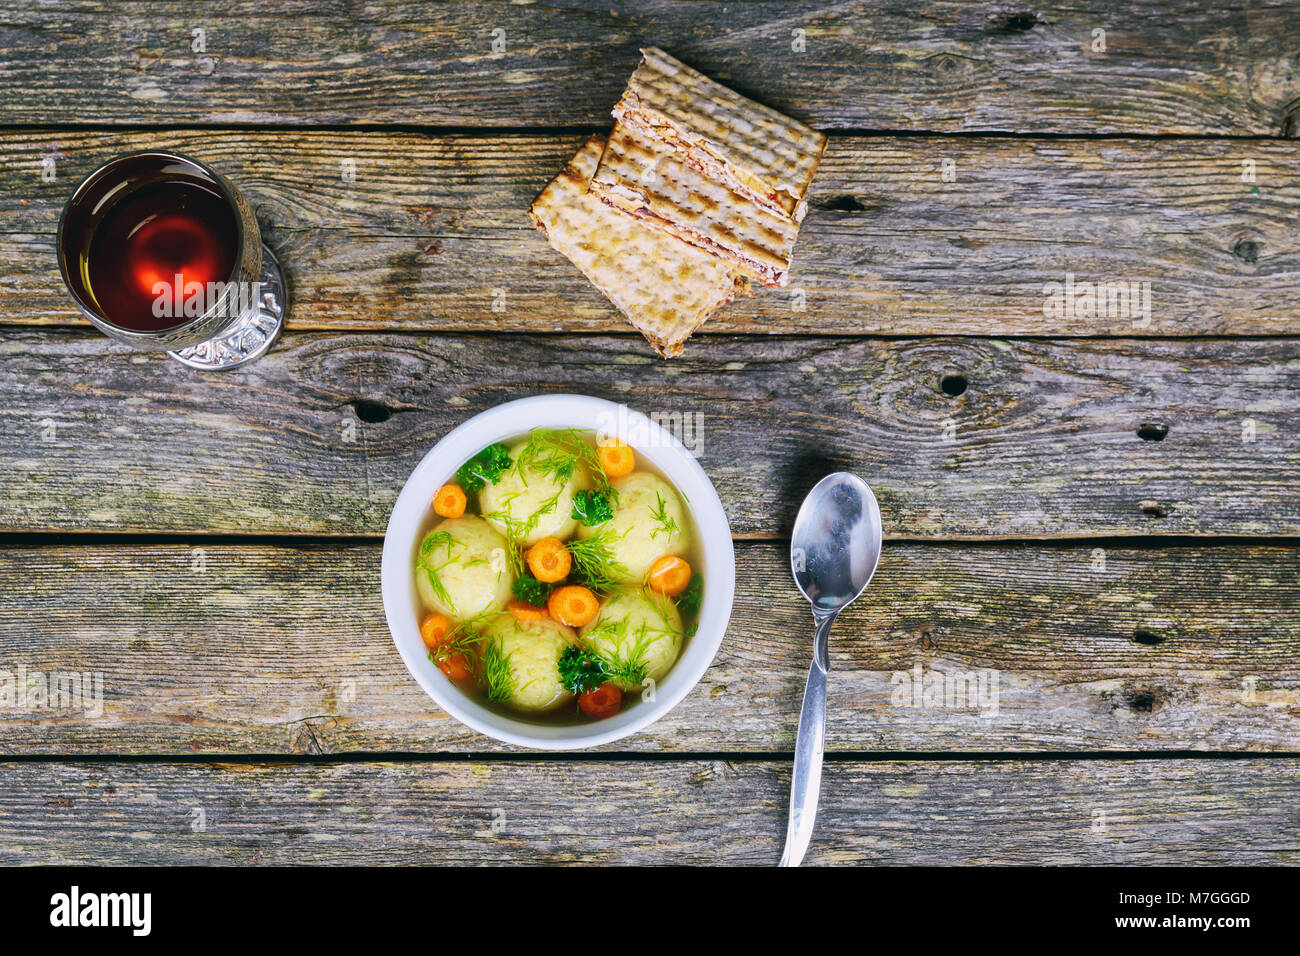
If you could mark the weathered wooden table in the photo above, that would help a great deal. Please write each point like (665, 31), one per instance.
(1099, 506)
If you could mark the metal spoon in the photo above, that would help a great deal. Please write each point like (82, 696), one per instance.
(833, 553)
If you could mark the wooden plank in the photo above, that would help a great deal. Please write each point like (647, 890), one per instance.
(1181, 67)
(1177, 812)
(433, 233)
(1046, 440)
(254, 649)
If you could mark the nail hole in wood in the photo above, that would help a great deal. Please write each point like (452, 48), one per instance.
(953, 385)
(1153, 431)
(1148, 638)
(1154, 509)
(370, 412)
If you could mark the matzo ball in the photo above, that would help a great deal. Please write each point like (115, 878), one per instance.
(528, 497)
(649, 521)
(462, 569)
(521, 662)
(639, 632)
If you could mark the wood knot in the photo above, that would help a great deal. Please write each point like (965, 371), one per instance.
(1149, 638)
(370, 412)
(1017, 21)
(953, 385)
(1247, 250)
(1137, 700)
(1142, 700)
(841, 202)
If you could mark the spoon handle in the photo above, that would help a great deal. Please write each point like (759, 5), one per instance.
(806, 780)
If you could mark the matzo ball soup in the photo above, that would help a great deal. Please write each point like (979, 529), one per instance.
(558, 576)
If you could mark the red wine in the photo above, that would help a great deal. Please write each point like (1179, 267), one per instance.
(138, 252)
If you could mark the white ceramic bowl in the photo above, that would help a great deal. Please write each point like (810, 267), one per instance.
(411, 517)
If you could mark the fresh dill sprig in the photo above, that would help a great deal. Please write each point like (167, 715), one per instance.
(594, 562)
(499, 681)
(515, 531)
(425, 562)
(432, 540)
(620, 664)
(626, 663)
(545, 508)
(558, 453)
(664, 522)
(626, 658)
(465, 639)
(662, 605)
(608, 630)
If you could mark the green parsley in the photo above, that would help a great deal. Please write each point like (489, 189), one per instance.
(581, 671)
(486, 467)
(592, 507)
(530, 590)
(689, 601)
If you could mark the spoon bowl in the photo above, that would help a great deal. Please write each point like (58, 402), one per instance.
(833, 554)
(836, 542)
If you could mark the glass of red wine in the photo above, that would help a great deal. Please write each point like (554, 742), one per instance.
(163, 254)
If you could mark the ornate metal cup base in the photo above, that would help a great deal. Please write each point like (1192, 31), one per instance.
(252, 335)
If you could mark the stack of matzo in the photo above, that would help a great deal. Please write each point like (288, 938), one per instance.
(695, 191)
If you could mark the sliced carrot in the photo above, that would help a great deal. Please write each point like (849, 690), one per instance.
(549, 560)
(669, 575)
(433, 629)
(449, 502)
(616, 458)
(525, 612)
(573, 605)
(453, 665)
(605, 701)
